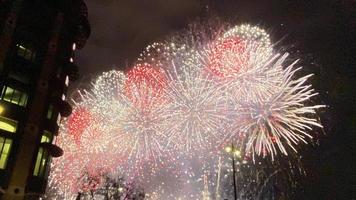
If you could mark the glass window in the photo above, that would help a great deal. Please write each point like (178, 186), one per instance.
(25, 52)
(50, 112)
(14, 96)
(41, 162)
(42, 155)
(46, 137)
(7, 93)
(22, 78)
(5, 148)
(8, 125)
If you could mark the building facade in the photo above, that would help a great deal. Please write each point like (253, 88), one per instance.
(38, 39)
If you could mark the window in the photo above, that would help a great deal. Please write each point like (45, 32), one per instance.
(47, 137)
(22, 78)
(42, 155)
(14, 96)
(25, 52)
(8, 125)
(5, 147)
(41, 162)
(50, 112)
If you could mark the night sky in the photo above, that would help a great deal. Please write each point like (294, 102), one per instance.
(322, 33)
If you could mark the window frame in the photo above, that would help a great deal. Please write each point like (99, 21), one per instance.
(41, 162)
(4, 156)
(43, 156)
(10, 122)
(25, 51)
(47, 137)
(50, 112)
(14, 96)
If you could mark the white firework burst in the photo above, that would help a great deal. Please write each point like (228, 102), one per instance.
(279, 117)
(144, 136)
(197, 109)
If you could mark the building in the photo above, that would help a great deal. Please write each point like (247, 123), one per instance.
(38, 39)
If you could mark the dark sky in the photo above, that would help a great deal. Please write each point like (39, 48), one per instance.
(121, 29)
(321, 32)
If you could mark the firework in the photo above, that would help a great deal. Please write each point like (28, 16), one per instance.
(144, 86)
(241, 58)
(269, 106)
(97, 113)
(78, 122)
(144, 125)
(181, 102)
(197, 110)
(280, 118)
(241, 50)
(88, 136)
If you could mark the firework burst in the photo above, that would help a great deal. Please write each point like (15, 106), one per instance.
(181, 102)
(144, 125)
(240, 50)
(280, 118)
(197, 110)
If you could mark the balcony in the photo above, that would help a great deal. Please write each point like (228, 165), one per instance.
(36, 185)
(64, 108)
(72, 71)
(53, 150)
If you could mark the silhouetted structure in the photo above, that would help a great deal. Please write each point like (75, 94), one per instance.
(37, 43)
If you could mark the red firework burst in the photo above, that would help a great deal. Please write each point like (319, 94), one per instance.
(78, 122)
(145, 85)
(227, 56)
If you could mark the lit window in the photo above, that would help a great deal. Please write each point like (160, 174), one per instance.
(42, 155)
(67, 81)
(50, 112)
(46, 137)
(41, 162)
(71, 60)
(8, 125)
(5, 147)
(25, 52)
(14, 96)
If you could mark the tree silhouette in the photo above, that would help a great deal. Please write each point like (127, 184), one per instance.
(107, 187)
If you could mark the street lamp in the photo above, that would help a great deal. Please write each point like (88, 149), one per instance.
(233, 152)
